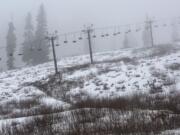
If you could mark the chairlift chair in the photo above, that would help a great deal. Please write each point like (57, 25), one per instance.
(39, 49)
(11, 54)
(118, 33)
(107, 35)
(102, 35)
(74, 41)
(65, 41)
(80, 38)
(94, 36)
(20, 54)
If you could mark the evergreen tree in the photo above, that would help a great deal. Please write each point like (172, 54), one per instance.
(28, 40)
(11, 45)
(41, 47)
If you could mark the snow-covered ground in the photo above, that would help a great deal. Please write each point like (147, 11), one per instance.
(114, 74)
(123, 72)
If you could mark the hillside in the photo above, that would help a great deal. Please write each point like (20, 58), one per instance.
(114, 82)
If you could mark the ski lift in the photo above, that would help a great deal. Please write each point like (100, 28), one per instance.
(20, 54)
(94, 36)
(65, 41)
(102, 35)
(156, 26)
(128, 31)
(115, 33)
(74, 41)
(107, 34)
(80, 37)
(119, 33)
(11, 54)
(0, 58)
(57, 43)
(39, 49)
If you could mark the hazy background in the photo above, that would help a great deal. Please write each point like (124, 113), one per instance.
(71, 15)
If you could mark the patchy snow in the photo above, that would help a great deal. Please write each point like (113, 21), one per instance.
(171, 132)
(118, 73)
(121, 78)
(134, 77)
(114, 74)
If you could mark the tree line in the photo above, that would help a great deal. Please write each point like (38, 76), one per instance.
(34, 47)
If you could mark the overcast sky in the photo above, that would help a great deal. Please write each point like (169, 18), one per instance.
(70, 15)
(67, 15)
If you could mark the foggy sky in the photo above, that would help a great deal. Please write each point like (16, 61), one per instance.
(69, 15)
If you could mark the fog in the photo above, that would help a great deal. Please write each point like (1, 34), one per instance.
(71, 15)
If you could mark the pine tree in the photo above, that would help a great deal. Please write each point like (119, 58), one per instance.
(28, 40)
(11, 45)
(41, 47)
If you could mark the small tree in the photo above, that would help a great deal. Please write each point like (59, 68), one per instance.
(11, 45)
(28, 40)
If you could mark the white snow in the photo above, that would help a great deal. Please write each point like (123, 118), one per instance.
(124, 76)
